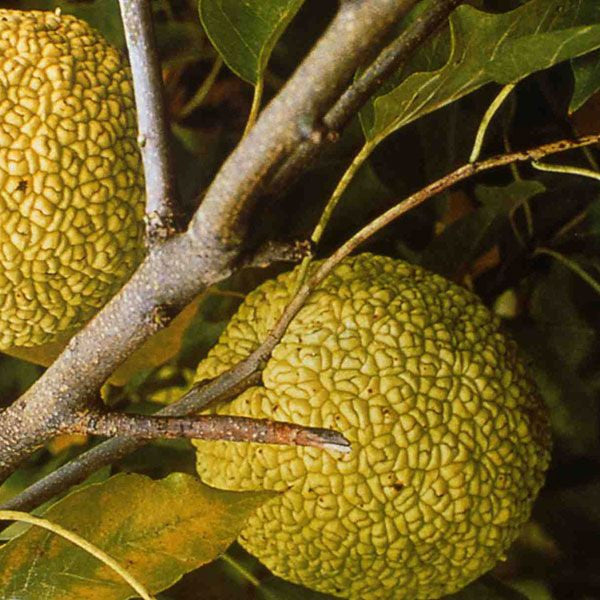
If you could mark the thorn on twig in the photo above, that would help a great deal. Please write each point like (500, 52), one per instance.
(323, 438)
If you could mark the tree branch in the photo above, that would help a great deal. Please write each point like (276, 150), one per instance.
(229, 385)
(152, 122)
(185, 264)
(208, 427)
(352, 100)
(245, 373)
(294, 115)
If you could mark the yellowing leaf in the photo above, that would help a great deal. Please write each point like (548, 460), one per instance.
(157, 530)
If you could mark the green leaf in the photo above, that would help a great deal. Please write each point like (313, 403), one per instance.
(485, 48)
(244, 32)
(158, 530)
(466, 239)
(586, 71)
(487, 588)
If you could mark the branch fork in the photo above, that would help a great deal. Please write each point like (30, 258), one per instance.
(179, 266)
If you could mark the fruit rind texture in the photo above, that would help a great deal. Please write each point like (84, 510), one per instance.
(71, 180)
(450, 440)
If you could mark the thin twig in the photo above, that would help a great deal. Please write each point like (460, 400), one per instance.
(572, 265)
(487, 118)
(185, 264)
(232, 382)
(441, 185)
(255, 107)
(437, 187)
(208, 427)
(566, 170)
(351, 101)
(199, 96)
(152, 124)
(333, 201)
(571, 224)
(340, 188)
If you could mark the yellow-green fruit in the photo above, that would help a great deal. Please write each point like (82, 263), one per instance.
(71, 182)
(450, 441)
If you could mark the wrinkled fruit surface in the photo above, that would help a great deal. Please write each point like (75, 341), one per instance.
(71, 183)
(449, 440)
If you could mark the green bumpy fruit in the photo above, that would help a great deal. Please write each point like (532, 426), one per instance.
(450, 440)
(71, 181)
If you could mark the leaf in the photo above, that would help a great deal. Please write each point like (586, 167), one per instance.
(244, 32)
(586, 71)
(158, 530)
(464, 240)
(485, 48)
(487, 588)
(17, 485)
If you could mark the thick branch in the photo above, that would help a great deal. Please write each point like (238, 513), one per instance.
(357, 94)
(152, 123)
(387, 63)
(295, 114)
(169, 278)
(181, 267)
(244, 373)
